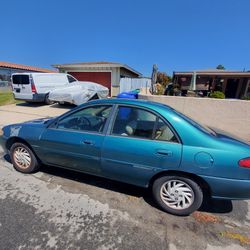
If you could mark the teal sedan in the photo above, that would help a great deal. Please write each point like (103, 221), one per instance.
(141, 143)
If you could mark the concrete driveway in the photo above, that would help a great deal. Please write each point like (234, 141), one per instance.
(61, 209)
(15, 113)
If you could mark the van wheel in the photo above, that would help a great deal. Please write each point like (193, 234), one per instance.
(177, 195)
(23, 159)
(47, 100)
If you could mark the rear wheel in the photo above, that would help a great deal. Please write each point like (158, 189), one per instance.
(23, 159)
(177, 195)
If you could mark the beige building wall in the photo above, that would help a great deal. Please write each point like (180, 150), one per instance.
(232, 116)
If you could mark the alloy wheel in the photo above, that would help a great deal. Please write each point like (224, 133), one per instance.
(177, 194)
(22, 157)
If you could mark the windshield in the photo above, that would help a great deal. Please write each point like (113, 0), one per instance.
(199, 126)
(71, 79)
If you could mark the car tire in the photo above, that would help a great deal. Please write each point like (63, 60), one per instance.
(177, 195)
(23, 159)
(47, 100)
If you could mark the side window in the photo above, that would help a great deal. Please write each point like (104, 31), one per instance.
(134, 122)
(71, 79)
(163, 132)
(88, 119)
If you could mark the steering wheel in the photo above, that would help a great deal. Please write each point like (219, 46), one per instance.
(82, 121)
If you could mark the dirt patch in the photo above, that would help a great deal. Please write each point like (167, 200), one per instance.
(205, 217)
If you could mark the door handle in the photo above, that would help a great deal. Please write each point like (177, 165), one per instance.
(88, 142)
(164, 152)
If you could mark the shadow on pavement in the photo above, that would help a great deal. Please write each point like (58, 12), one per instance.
(40, 104)
(209, 205)
(216, 206)
(7, 158)
(63, 106)
(30, 104)
(95, 181)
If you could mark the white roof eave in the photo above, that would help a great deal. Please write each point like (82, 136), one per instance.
(100, 66)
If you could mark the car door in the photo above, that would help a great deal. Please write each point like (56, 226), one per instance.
(21, 84)
(138, 145)
(75, 141)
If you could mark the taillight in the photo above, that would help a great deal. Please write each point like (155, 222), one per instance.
(33, 87)
(245, 163)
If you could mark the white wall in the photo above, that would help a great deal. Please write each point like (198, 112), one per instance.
(232, 116)
(128, 84)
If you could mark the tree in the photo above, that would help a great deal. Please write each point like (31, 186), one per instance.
(220, 66)
(163, 78)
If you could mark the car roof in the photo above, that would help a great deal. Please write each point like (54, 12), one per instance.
(140, 102)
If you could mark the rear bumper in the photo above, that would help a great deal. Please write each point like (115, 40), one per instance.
(232, 189)
(30, 97)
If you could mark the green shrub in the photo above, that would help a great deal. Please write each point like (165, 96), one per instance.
(246, 98)
(217, 94)
(159, 89)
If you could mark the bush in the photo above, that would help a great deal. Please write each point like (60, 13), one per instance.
(159, 89)
(246, 98)
(217, 94)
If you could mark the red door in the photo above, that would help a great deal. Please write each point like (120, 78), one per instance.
(103, 78)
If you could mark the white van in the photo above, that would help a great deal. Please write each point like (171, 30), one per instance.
(35, 87)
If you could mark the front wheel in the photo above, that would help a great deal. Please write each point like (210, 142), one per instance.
(23, 159)
(177, 195)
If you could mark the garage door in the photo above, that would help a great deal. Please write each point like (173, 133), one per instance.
(103, 78)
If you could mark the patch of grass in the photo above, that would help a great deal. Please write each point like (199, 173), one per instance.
(6, 97)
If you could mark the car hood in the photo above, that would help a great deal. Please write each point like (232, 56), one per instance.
(45, 120)
(27, 129)
(79, 93)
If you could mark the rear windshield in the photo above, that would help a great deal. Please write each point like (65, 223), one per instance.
(196, 124)
(20, 79)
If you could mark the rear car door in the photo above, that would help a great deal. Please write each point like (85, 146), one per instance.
(75, 141)
(139, 144)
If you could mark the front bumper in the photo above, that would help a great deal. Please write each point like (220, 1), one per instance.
(232, 189)
(3, 144)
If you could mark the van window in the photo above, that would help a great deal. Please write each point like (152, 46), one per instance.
(71, 79)
(20, 79)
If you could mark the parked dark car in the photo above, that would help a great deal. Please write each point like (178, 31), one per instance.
(138, 142)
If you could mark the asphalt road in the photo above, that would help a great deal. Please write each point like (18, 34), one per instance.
(62, 209)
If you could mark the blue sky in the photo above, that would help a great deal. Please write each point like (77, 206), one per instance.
(176, 35)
